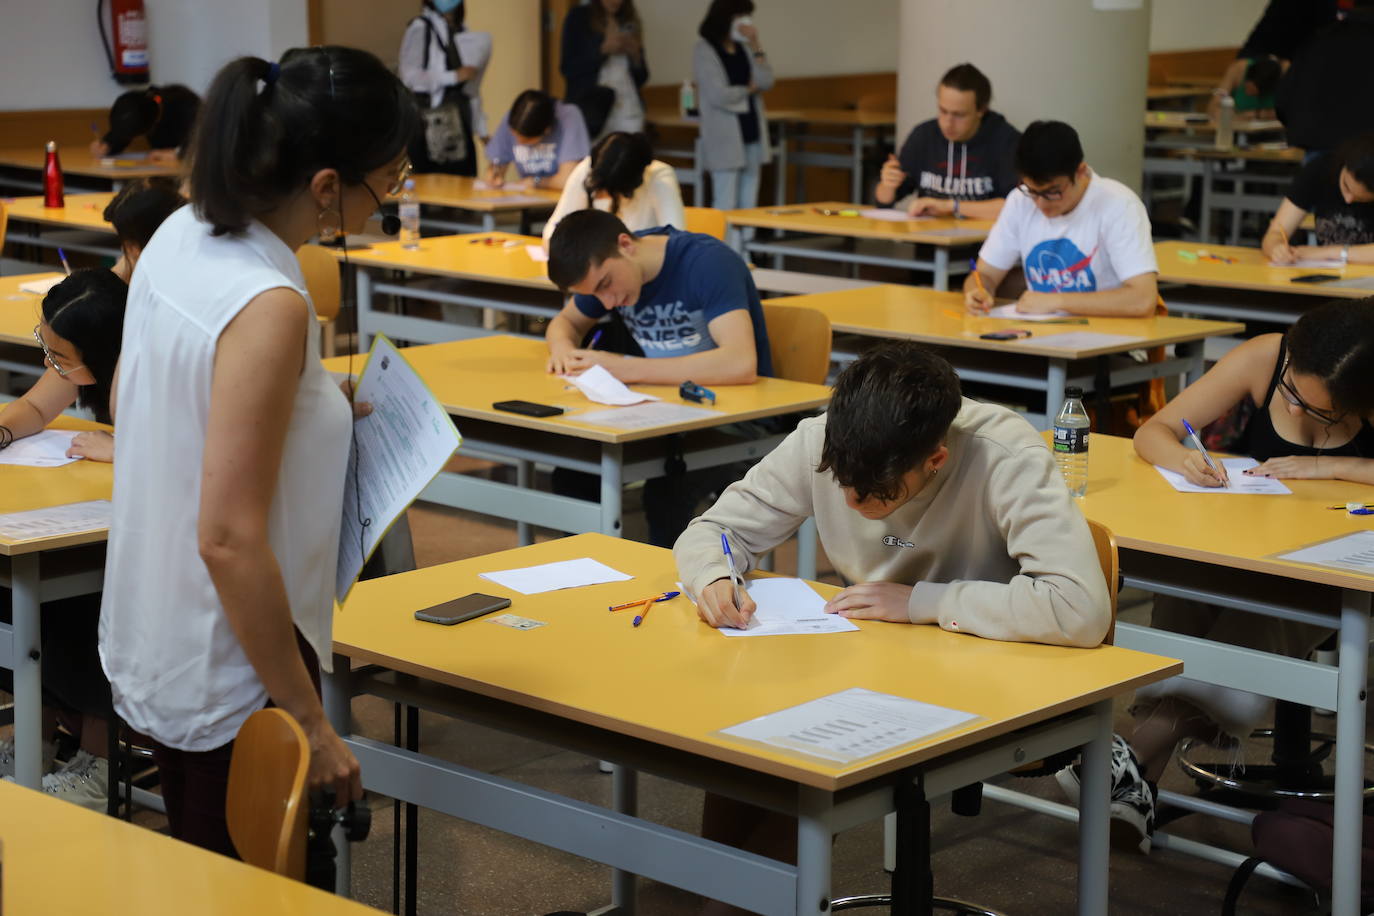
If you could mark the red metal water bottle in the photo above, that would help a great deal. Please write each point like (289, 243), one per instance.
(52, 178)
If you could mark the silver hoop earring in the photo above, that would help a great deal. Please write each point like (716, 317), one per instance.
(328, 225)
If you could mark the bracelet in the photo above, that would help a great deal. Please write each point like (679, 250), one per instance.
(6, 437)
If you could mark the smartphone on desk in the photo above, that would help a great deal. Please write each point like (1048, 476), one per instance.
(468, 607)
(528, 408)
(1010, 334)
(1315, 278)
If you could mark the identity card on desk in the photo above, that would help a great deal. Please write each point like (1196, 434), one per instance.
(1237, 482)
(788, 607)
(397, 450)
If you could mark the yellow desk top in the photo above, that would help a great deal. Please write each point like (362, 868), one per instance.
(931, 316)
(458, 192)
(806, 218)
(82, 211)
(130, 869)
(1183, 120)
(22, 489)
(1263, 153)
(79, 161)
(841, 117)
(676, 682)
(1160, 93)
(468, 375)
(1145, 513)
(20, 311)
(1251, 271)
(466, 257)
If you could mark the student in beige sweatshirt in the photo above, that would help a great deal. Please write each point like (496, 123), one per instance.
(935, 508)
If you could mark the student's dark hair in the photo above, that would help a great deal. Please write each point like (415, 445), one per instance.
(618, 163)
(890, 411)
(1335, 343)
(968, 78)
(1264, 73)
(458, 14)
(532, 114)
(626, 15)
(715, 28)
(1048, 150)
(264, 129)
(87, 309)
(1357, 155)
(133, 114)
(140, 207)
(582, 240)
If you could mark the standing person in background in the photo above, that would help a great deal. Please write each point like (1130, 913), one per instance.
(603, 62)
(163, 114)
(1323, 99)
(543, 138)
(443, 64)
(731, 69)
(622, 177)
(233, 441)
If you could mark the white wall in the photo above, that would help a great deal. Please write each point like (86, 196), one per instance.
(53, 56)
(1184, 25)
(802, 37)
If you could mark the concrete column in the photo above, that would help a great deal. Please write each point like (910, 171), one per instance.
(1059, 60)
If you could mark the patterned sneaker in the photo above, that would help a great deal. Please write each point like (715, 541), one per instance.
(84, 780)
(1132, 799)
(7, 757)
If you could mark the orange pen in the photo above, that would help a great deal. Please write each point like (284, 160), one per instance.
(640, 618)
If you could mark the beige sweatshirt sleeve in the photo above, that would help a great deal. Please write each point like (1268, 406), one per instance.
(1059, 597)
(757, 514)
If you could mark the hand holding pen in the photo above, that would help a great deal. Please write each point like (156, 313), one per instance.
(723, 603)
(1199, 467)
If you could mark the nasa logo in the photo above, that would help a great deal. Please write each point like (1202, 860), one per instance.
(894, 541)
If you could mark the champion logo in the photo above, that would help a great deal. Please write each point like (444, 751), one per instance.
(894, 541)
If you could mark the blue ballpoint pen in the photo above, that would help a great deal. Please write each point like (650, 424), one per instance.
(65, 266)
(591, 345)
(1197, 444)
(734, 573)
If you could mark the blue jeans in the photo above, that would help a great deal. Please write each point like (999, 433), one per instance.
(738, 189)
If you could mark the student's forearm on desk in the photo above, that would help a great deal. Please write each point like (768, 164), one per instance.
(711, 367)
(21, 418)
(1355, 470)
(1129, 301)
(981, 209)
(39, 406)
(562, 334)
(1157, 443)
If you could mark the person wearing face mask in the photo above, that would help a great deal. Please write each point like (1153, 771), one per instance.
(731, 70)
(443, 64)
(603, 62)
(960, 163)
(1338, 190)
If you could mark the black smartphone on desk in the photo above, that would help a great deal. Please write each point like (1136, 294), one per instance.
(1315, 278)
(468, 607)
(528, 408)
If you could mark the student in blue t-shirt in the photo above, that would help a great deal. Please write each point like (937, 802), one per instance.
(545, 140)
(692, 312)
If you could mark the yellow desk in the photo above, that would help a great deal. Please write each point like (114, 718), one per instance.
(83, 212)
(1175, 93)
(459, 193)
(129, 869)
(499, 276)
(78, 161)
(1221, 549)
(44, 569)
(1197, 121)
(655, 698)
(932, 239)
(19, 312)
(938, 318)
(467, 376)
(1248, 289)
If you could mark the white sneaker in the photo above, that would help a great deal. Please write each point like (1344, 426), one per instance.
(7, 758)
(1132, 798)
(84, 780)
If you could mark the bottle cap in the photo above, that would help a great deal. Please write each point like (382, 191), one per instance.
(52, 146)
(1073, 391)
(410, 184)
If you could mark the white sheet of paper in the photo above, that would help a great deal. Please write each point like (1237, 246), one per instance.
(890, 216)
(40, 287)
(46, 449)
(399, 448)
(787, 607)
(1011, 311)
(850, 725)
(537, 254)
(72, 518)
(1313, 263)
(1353, 283)
(549, 577)
(598, 385)
(1239, 483)
(1079, 340)
(642, 416)
(1348, 553)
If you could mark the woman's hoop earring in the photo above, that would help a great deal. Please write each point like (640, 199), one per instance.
(328, 224)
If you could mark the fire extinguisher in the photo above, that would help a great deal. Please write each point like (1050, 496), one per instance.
(129, 54)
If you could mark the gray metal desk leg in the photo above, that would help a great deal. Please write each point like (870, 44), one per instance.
(806, 549)
(780, 179)
(698, 174)
(1194, 353)
(363, 279)
(337, 690)
(524, 472)
(397, 547)
(856, 174)
(814, 839)
(28, 671)
(1056, 375)
(1350, 728)
(625, 798)
(489, 221)
(1205, 216)
(612, 466)
(942, 268)
(1094, 804)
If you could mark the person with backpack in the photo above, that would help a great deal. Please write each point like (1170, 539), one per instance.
(603, 62)
(443, 64)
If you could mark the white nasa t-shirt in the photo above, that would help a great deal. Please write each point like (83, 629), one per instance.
(1098, 245)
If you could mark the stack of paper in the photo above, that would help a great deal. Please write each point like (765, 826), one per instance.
(600, 386)
(890, 216)
(787, 607)
(549, 577)
(51, 522)
(46, 449)
(1237, 482)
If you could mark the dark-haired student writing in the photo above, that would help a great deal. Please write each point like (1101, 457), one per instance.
(543, 138)
(1083, 239)
(1338, 190)
(162, 114)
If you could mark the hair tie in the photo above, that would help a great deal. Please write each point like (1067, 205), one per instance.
(273, 71)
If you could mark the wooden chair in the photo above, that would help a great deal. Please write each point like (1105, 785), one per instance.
(322, 282)
(1105, 542)
(4, 224)
(706, 220)
(799, 342)
(267, 806)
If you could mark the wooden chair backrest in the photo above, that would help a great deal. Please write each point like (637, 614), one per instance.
(267, 807)
(706, 220)
(1105, 543)
(799, 343)
(4, 224)
(321, 280)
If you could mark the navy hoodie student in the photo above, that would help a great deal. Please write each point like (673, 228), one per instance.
(981, 169)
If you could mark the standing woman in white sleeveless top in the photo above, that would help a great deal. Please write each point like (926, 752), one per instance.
(233, 440)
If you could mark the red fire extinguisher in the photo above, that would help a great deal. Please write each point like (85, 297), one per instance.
(129, 54)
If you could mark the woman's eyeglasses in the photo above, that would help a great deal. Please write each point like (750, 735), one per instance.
(48, 357)
(1290, 394)
(398, 183)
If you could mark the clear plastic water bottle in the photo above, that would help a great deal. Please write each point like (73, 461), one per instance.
(1226, 118)
(1071, 441)
(687, 99)
(409, 211)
